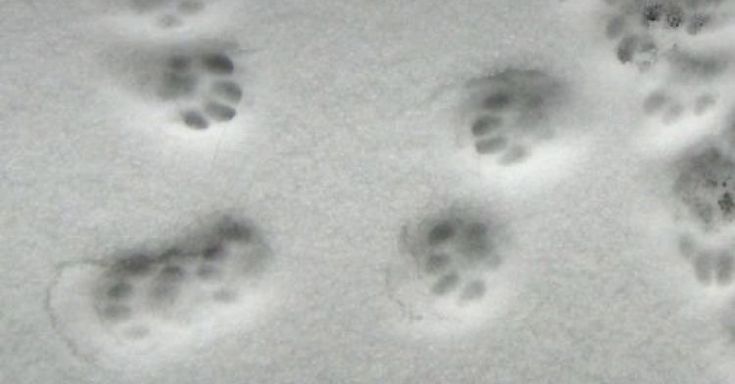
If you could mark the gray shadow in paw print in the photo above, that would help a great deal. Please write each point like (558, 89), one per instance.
(440, 233)
(697, 23)
(705, 187)
(138, 264)
(218, 64)
(219, 112)
(156, 282)
(227, 90)
(209, 272)
(453, 249)
(450, 253)
(491, 146)
(691, 67)
(120, 291)
(507, 112)
(615, 27)
(115, 312)
(474, 290)
(704, 103)
(665, 14)
(637, 49)
(446, 284)
(437, 262)
(712, 268)
(201, 81)
(194, 119)
(178, 80)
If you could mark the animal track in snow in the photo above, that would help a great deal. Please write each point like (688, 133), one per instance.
(714, 268)
(155, 301)
(450, 274)
(712, 265)
(705, 188)
(647, 30)
(669, 108)
(505, 114)
(683, 75)
(198, 85)
(204, 87)
(686, 86)
(456, 251)
(705, 194)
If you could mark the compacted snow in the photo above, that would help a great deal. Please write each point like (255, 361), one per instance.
(241, 191)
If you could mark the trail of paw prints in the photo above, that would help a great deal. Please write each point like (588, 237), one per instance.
(682, 76)
(202, 86)
(704, 216)
(453, 279)
(149, 305)
(506, 114)
(660, 38)
(168, 14)
(646, 30)
(704, 189)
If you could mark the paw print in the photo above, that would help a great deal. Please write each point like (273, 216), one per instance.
(647, 30)
(705, 193)
(704, 103)
(659, 103)
(168, 14)
(698, 23)
(691, 87)
(712, 265)
(506, 112)
(689, 67)
(452, 272)
(705, 15)
(714, 268)
(202, 86)
(638, 49)
(631, 29)
(152, 300)
(666, 14)
(180, 284)
(670, 109)
(454, 256)
(705, 189)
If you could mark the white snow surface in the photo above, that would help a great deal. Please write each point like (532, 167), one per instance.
(350, 143)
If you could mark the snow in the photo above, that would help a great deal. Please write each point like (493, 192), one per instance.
(350, 143)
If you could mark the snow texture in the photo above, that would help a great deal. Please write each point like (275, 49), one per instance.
(506, 191)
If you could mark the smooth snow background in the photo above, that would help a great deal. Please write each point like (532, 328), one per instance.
(352, 135)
